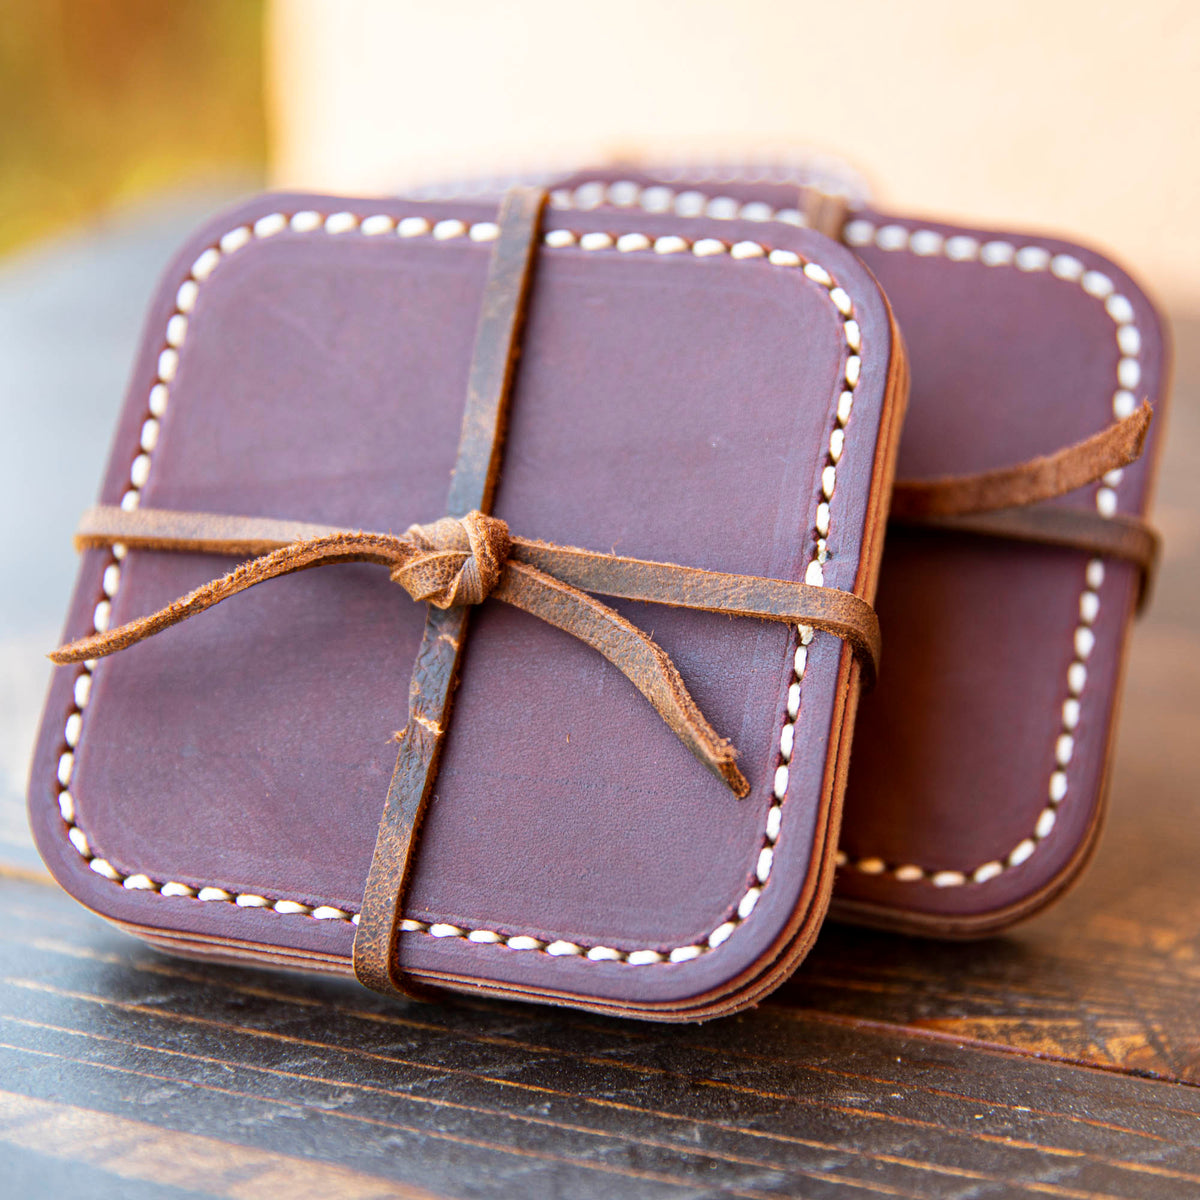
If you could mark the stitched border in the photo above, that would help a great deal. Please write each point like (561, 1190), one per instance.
(829, 174)
(683, 202)
(1031, 259)
(959, 248)
(347, 223)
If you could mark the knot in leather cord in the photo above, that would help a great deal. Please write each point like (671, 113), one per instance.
(455, 562)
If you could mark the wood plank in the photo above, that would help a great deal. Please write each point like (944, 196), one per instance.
(136, 1150)
(486, 1099)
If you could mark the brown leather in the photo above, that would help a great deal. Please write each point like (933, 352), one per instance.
(669, 407)
(1000, 502)
(824, 213)
(1005, 652)
(458, 562)
(843, 614)
(427, 562)
(454, 563)
(1128, 538)
(830, 610)
(376, 951)
(1045, 477)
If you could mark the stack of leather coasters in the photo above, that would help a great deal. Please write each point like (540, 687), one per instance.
(598, 493)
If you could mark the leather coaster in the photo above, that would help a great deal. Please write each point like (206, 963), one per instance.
(979, 772)
(687, 392)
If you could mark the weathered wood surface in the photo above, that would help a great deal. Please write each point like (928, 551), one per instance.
(1110, 975)
(1056, 1061)
(140, 1067)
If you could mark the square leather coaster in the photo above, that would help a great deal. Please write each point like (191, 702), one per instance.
(691, 392)
(979, 774)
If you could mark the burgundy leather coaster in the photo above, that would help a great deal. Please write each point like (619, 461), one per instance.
(698, 393)
(978, 778)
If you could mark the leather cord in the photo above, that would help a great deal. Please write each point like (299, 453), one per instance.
(999, 503)
(454, 563)
(1041, 478)
(1006, 502)
(377, 959)
(1120, 536)
(824, 212)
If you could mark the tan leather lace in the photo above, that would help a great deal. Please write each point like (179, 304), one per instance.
(1007, 502)
(1041, 478)
(455, 563)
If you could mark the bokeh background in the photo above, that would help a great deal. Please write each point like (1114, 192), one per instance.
(1077, 115)
(1063, 114)
(106, 102)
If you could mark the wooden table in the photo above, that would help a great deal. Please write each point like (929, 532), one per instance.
(1062, 1060)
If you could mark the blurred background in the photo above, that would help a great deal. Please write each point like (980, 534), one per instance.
(1064, 114)
(105, 103)
(125, 122)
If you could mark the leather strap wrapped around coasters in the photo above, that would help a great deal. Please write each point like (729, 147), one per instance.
(376, 943)
(454, 563)
(1002, 502)
(457, 562)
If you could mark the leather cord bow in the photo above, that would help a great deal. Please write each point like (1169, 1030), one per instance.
(454, 563)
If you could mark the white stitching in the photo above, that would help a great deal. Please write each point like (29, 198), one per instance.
(1029, 259)
(958, 248)
(341, 224)
(658, 198)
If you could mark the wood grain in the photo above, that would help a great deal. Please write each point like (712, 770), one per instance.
(489, 1099)
(137, 1150)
